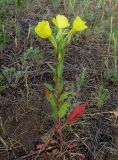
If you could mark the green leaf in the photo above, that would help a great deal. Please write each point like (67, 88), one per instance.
(49, 86)
(115, 31)
(66, 94)
(18, 3)
(53, 71)
(34, 54)
(63, 109)
(52, 68)
(52, 101)
(1, 88)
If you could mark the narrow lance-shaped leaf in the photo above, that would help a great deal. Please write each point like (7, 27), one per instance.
(63, 109)
(52, 101)
(65, 95)
(53, 71)
(52, 68)
(76, 113)
(49, 86)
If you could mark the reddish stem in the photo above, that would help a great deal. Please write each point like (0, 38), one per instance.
(60, 136)
(60, 132)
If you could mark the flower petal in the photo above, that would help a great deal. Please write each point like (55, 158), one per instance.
(43, 29)
(79, 24)
(60, 21)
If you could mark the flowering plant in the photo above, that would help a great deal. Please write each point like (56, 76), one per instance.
(55, 94)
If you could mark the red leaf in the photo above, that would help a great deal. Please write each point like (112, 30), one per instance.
(76, 113)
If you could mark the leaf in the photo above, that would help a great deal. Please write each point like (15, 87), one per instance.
(66, 94)
(34, 54)
(1, 88)
(18, 3)
(53, 71)
(49, 86)
(76, 113)
(52, 101)
(63, 109)
(52, 68)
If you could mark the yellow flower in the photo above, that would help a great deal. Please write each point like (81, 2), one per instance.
(43, 29)
(60, 21)
(79, 24)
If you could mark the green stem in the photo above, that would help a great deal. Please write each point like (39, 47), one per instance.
(58, 82)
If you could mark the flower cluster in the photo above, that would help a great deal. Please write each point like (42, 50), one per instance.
(43, 28)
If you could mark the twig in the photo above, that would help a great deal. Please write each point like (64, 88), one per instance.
(92, 114)
(33, 153)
